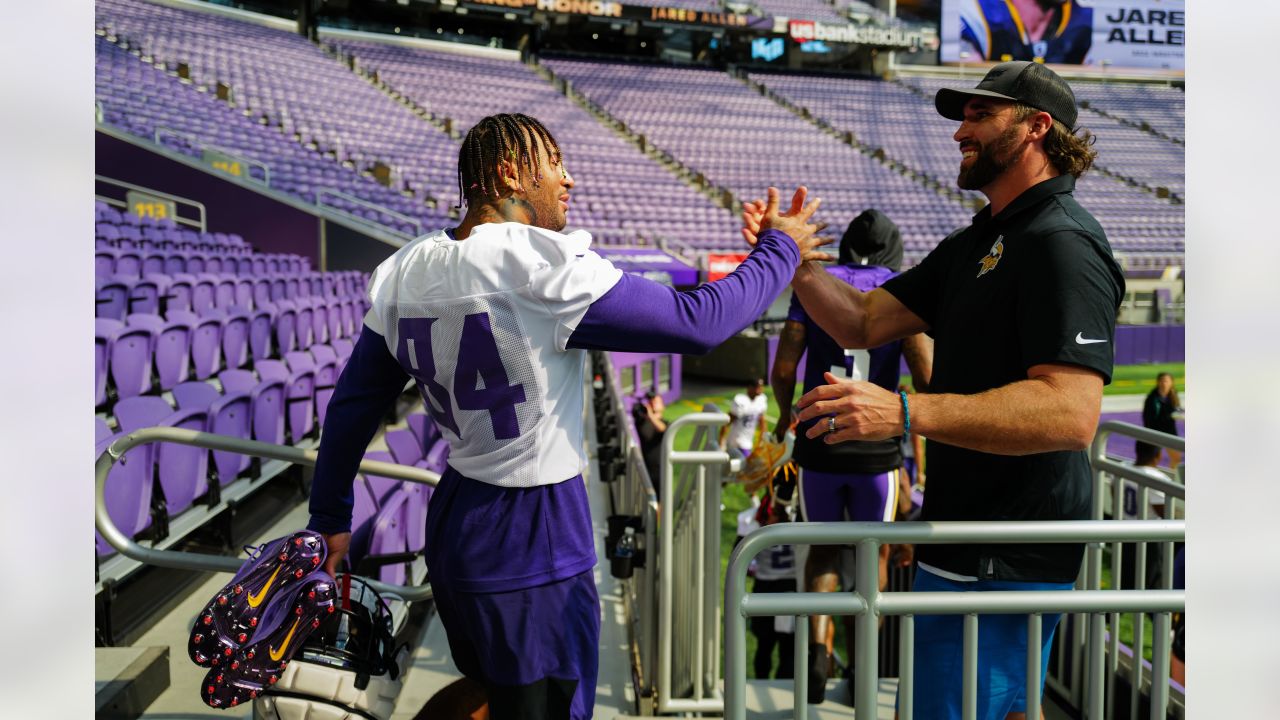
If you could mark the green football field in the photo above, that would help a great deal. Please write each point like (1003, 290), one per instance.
(1126, 380)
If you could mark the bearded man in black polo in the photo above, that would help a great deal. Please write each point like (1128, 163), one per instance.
(1022, 307)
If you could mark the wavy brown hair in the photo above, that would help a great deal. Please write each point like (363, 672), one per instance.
(1070, 153)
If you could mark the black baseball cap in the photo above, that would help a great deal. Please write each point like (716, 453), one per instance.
(1029, 83)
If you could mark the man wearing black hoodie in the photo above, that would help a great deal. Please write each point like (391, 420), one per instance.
(853, 480)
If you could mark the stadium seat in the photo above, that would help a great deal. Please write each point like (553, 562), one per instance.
(300, 396)
(266, 401)
(104, 263)
(128, 487)
(180, 291)
(206, 342)
(437, 457)
(260, 332)
(423, 428)
(324, 379)
(130, 361)
(112, 300)
(103, 333)
(404, 447)
(145, 296)
(229, 414)
(171, 354)
(283, 326)
(182, 469)
(235, 338)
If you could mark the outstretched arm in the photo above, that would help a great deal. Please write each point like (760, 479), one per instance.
(783, 378)
(639, 315)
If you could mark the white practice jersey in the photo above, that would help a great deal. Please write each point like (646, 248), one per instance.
(482, 324)
(1154, 497)
(747, 414)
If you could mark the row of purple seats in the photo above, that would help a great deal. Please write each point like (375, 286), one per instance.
(149, 237)
(132, 262)
(427, 450)
(120, 295)
(150, 351)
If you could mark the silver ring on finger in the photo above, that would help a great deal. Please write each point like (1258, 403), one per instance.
(831, 424)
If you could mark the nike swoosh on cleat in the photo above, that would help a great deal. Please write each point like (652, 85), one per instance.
(255, 599)
(1082, 340)
(277, 654)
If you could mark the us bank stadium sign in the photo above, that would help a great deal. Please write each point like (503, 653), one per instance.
(803, 31)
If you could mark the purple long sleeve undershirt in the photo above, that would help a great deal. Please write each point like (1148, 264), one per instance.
(636, 315)
(639, 315)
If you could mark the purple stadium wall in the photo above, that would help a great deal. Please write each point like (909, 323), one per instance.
(624, 362)
(269, 226)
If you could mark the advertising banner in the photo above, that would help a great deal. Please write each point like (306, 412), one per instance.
(1116, 33)
(899, 38)
(651, 263)
(721, 264)
(608, 9)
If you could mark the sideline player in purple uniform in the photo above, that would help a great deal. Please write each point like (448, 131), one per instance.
(856, 480)
(493, 320)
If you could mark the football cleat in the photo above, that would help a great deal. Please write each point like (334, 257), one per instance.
(281, 634)
(272, 571)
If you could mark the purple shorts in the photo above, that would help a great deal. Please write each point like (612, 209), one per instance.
(832, 497)
(534, 650)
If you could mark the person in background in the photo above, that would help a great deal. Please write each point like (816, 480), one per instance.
(650, 427)
(773, 571)
(1157, 412)
(746, 417)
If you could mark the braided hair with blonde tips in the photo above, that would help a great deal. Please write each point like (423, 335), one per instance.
(509, 136)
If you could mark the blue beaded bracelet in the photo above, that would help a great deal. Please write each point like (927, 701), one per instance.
(906, 413)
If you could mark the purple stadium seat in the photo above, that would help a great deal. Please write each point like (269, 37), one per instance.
(261, 291)
(128, 489)
(387, 537)
(103, 333)
(362, 515)
(437, 457)
(266, 400)
(182, 469)
(112, 300)
(244, 292)
(424, 428)
(204, 293)
(235, 339)
(152, 262)
(129, 264)
(418, 497)
(175, 263)
(333, 316)
(404, 447)
(343, 347)
(144, 296)
(180, 291)
(104, 263)
(303, 326)
(244, 266)
(260, 332)
(300, 396)
(381, 486)
(225, 292)
(130, 361)
(283, 327)
(319, 320)
(206, 342)
(229, 414)
(195, 263)
(171, 353)
(324, 379)
(214, 264)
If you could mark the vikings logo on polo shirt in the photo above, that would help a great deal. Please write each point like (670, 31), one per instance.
(991, 259)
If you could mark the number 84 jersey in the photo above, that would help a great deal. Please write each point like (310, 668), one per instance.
(482, 324)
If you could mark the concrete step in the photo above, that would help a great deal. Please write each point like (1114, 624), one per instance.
(128, 679)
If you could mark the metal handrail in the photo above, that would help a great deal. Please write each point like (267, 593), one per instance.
(868, 603)
(321, 192)
(199, 206)
(701, 460)
(222, 563)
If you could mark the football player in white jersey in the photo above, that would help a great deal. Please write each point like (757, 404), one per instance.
(493, 319)
(746, 417)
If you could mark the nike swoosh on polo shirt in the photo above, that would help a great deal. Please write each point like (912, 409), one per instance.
(1082, 340)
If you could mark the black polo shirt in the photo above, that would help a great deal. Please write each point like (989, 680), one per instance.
(1035, 284)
